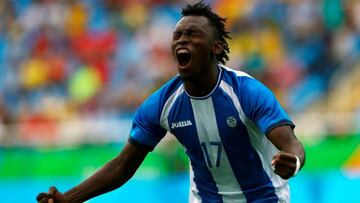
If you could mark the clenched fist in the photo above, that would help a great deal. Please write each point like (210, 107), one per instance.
(285, 164)
(52, 196)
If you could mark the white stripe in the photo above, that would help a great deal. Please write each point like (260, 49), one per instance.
(265, 149)
(194, 192)
(238, 73)
(167, 107)
(207, 131)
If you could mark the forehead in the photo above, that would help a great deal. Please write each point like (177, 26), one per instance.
(199, 22)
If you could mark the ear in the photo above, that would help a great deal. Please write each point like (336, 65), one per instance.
(217, 47)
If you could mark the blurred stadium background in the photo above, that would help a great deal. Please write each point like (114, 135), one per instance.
(72, 73)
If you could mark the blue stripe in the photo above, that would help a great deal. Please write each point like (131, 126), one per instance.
(167, 90)
(230, 78)
(243, 158)
(188, 137)
(146, 128)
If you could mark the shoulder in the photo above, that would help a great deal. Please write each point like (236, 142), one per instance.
(234, 73)
(239, 81)
(160, 96)
(151, 109)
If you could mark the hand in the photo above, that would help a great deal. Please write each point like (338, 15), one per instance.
(284, 164)
(52, 196)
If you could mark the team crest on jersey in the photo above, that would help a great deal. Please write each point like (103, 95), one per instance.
(181, 124)
(231, 121)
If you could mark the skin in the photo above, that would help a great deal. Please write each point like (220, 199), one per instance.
(195, 34)
(192, 33)
(284, 162)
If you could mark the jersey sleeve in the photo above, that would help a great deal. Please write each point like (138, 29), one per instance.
(146, 130)
(261, 106)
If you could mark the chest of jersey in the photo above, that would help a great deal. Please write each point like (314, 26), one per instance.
(209, 127)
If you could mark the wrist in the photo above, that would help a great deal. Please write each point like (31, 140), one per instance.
(298, 164)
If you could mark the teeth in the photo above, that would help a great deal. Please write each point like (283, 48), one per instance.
(182, 51)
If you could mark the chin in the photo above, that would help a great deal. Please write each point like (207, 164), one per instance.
(186, 76)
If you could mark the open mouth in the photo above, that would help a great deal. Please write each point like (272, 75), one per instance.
(183, 57)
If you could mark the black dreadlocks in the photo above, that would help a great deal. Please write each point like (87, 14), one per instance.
(201, 9)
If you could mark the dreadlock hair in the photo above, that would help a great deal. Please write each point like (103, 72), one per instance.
(201, 9)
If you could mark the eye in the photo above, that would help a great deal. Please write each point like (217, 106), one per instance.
(193, 33)
(177, 35)
(190, 32)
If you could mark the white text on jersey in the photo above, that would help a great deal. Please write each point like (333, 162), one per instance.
(181, 124)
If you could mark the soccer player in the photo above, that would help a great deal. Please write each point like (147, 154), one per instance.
(239, 140)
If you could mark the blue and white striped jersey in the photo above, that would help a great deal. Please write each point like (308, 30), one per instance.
(224, 136)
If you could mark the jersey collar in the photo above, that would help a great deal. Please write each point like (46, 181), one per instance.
(213, 90)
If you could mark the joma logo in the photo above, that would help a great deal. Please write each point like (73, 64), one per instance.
(181, 124)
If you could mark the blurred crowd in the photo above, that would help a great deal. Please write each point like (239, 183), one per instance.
(79, 59)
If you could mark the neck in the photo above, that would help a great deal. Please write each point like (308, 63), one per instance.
(203, 83)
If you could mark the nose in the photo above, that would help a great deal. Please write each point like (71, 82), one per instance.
(183, 39)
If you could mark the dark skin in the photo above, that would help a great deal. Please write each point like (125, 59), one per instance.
(284, 162)
(196, 36)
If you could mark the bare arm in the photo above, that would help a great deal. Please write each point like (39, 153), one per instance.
(290, 147)
(111, 176)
